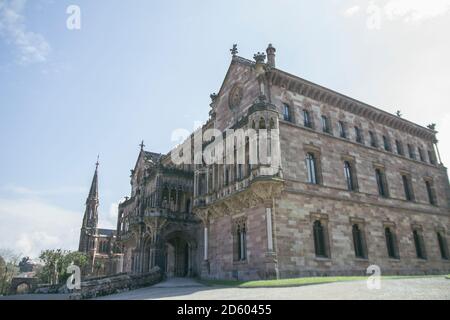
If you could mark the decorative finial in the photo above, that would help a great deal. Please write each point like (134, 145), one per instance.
(398, 113)
(142, 145)
(259, 57)
(234, 50)
(97, 163)
(432, 126)
(213, 97)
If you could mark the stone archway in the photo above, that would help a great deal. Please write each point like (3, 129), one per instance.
(179, 255)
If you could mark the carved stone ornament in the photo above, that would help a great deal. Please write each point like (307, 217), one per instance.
(235, 96)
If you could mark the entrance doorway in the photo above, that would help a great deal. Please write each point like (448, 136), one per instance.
(178, 257)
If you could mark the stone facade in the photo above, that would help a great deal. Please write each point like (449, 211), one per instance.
(345, 185)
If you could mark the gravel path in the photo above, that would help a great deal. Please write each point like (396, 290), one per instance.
(188, 289)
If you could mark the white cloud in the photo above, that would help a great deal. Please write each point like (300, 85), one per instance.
(29, 225)
(110, 220)
(351, 11)
(32, 47)
(415, 10)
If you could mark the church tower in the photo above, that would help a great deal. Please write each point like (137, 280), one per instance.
(90, 218)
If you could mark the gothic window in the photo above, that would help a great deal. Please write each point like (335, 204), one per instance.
(411, 152)
(407, 187)
(188, 206)
(262, 123)
(419, 244)
(381, 182)
(240, 241)
(307, 119)
(443, 248)
(253, 124)
(391, 243)
(272, 123)
(342, 131)
(358, 134)
(311, 168)
(319, 239)
(350, 176)
(386, 143)
(359, 242)
(399, 146)
(373, 139)
(430, 192)
(227, 176)
(287, 112)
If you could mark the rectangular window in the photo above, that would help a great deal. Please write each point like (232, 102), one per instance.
(421, 154)
(311, 168)
(431, 157)
(443, 248)
(325, 124)
(419, 244)
(411, 152)
(381, 182)
(342, 131)
(358, 134)
(373, 139)
(430, 192)
(287, 112)
(391, 243)
(399, 146)
(320, 240)
(359, 242)
(307, 119)
(350, 176)
(407, 186)
(386, 143)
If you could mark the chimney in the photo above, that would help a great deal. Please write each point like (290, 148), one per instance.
(271, 55)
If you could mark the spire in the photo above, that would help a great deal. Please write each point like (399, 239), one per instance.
(271, 55)
(93, 192)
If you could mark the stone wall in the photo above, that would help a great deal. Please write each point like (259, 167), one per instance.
(115, 284)
(295, 213)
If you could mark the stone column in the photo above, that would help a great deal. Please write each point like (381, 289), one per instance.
(205, 242)
(269, 229)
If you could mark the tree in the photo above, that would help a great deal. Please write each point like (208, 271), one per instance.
(8, 269)
(56, 262)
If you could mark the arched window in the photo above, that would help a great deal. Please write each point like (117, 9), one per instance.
(411, 152)
(253, 124)
(240, 241)
(272, 123)
(262, 123)
(287, 112)
(311, 168)
(349, 177)
(358, 242)
(419, 244)
(407, 187)
(390, 243)
(319, 239)
(442, 246)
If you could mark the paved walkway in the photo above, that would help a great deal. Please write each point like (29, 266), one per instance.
(189, 289)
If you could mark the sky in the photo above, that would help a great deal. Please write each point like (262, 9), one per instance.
(137, 70)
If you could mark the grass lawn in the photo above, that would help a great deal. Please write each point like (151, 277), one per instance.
(448, 276)
(293, 282)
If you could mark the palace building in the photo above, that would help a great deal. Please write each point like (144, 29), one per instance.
(346, 186)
